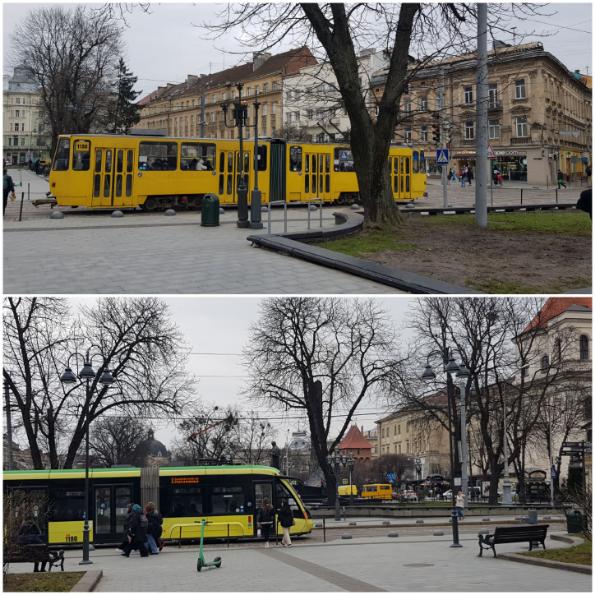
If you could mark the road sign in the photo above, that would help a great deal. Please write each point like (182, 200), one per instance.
(442, 156)
(391, 477)
(345, 481)
(491, 154)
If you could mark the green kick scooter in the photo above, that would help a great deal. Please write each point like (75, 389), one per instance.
(201, 562)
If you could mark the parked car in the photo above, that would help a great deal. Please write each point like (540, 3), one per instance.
(409, 496)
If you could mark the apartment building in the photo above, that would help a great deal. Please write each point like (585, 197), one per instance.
(539, 112)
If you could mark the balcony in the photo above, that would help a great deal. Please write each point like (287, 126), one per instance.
(494, 106)
(520, 140)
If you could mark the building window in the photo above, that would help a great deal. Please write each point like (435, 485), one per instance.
(423, 103)
(407, 135)
(469, 130)
(18, 100)
(493, 96)
(468, 95)
(265, 88)
(521, 127)
(494, 128)
(557, 355)
(545, 362)
(407, 107)
(519, 89)
(16, 127)
(17, 114)
(424, 134)
(584, 347)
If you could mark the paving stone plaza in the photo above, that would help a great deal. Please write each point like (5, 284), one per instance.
(152, 253)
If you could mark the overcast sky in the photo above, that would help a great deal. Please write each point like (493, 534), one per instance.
(216, 331)
(165, 44)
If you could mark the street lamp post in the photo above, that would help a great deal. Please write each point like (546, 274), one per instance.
(506, 487)
(256, 202)
(87, 374)
(451, 367)
(240, 113)
(337, 460)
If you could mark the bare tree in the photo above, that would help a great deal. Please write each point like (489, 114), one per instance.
(138, 343)
(254, 437)
(115, 440)
(322, 356)
(72, 52)
(507, 387)
(425, 30)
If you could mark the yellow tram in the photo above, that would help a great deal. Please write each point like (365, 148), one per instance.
(228, 496)
(109, 171)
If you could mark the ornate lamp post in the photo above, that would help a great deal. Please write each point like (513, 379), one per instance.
(338, 460)
(87, 375)
(240, 114)
(255, 202)
(451, 367)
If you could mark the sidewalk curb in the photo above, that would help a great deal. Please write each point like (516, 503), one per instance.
(569, 566)
(89, 581)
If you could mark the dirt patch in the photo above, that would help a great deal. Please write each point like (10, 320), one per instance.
(492, 261)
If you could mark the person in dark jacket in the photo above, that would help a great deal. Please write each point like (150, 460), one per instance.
(584, 202)
(8, 187)
(154, 528)
(286, 521)
(265, 519)
(137, 532)
(30, 534)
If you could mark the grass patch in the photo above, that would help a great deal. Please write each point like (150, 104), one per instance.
(572, 223)
(498, 286)
(577, 554)
(41, 581)
(368, 242)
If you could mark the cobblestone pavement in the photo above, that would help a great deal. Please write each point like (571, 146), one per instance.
(406, 563)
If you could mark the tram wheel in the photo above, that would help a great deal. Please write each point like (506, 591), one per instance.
(150, 203)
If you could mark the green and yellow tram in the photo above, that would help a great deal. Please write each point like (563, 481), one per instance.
(106, 171)
(227, 496)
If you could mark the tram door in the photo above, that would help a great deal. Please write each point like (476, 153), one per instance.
(113, 177)
(262, 490)
(111, 507)
(229, 167)
(405, 177)
(317, 178)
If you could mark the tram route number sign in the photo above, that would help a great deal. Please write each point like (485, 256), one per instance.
(82, 146)
(442, 156)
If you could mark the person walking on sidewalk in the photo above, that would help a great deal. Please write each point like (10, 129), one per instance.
(8, 185)
(286, 521)
(561, 181)
(265, 519)
(154, 528)
(460, 505)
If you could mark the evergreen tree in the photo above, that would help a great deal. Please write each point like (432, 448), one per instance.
(123, 113)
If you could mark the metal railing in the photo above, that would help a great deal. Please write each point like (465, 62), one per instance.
(194, 524)
(309, 203)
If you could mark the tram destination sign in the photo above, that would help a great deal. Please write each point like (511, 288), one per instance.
(185, 480)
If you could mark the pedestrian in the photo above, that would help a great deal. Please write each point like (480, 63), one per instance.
(30, 534)
(463, 176)
(137, 532)
(265, 519)
(584, 202)
(469, 175)
(561, 181)
(154, 528)
(460, 504)
(8, 186)
(286, 522)
(275, 455)
(496, 176)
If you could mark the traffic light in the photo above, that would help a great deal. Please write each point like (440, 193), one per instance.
(436, 133)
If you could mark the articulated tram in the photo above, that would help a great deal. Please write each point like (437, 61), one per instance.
(227, 496)
(109, 171)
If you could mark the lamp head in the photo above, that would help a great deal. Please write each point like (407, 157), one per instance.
(68, 376)
(106, 378)
(451, 366)
(87, 373)
(463, 371)
(428, 373)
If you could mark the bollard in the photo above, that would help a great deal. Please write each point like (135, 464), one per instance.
(455, 529)
(21, 208)
(324, 529)
(556, 196)
(521, 196)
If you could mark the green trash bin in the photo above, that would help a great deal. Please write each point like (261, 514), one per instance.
(574, 522)
(209, 213)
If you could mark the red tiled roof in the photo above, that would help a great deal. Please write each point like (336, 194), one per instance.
(354, 439)
(554, 307)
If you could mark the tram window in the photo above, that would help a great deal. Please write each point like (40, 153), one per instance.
(328, 182)
(307, 163)
(307, 180)
(96, 184)
(67, 505)
(328, 162)
(407, 166)
(107, 184)
(197, 157)
(229, 162)
(295, 159)
(128, 184)
(283, 493)
(120, 161)
(157, 156)
(314, 178)
(98, 160)
(228, 500)
(246, 161)
(343, 160)
(262, 158)
(119, 185)
(81, 155)
(62, 155)
(415, 162)
(221, 164)
(396, 164)
(108, 161)
(129, 162)
(186, 501)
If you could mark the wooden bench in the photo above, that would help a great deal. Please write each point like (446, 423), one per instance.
(38, 554)
(533, 534)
